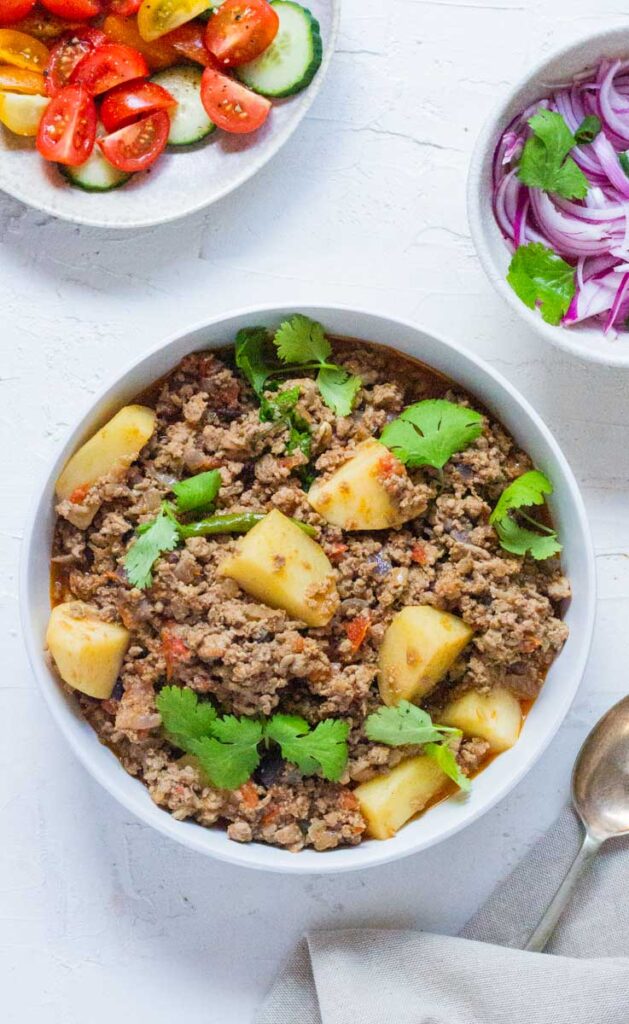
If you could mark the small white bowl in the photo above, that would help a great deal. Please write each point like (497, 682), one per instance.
(586, 342)
(180, 183)
(548, 711)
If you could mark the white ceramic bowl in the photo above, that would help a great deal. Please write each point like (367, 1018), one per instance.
(179, 183)
(586, 342)
(549, 710)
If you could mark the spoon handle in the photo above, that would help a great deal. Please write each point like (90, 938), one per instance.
(555, 909)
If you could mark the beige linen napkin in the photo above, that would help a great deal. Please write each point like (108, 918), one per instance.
(363, 976)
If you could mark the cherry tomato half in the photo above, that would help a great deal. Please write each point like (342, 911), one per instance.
(74, 10)
(189, 41)
(125, 8)
(130, 101)
(67, 53)
(30, 83)
(158, 54)
(108, 66)
(14, 10)
(157, 17)
(44, 26)
(68, 128)
(241, 30)
(22, 51)
(230, 105)
(137, 146)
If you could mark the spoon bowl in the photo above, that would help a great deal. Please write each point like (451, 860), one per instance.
(600, 781)
(600, 793)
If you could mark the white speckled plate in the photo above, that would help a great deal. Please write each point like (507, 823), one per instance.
(179, 183)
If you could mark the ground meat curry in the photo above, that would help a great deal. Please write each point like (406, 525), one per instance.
(203, 626)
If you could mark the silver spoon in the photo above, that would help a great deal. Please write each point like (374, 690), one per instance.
(600, 794)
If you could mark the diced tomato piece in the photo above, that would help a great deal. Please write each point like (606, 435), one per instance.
(68, 53)
(131, 101)
(357, 630)
(68, 128)
(249, 795)
(241, 30)
(174, 649)
(230, 105)
(158, 54)
(14, 10)
(79, 494)
(388, 465)
(419, 554)
(109, 65)
(74, 10)
(335, 552)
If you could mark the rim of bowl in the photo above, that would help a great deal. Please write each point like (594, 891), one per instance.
(480, 212)
(249, 172)
(214, 842)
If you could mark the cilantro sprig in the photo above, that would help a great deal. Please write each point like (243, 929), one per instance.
(406, 725)
(299, 344)
(526, 491)
(545, 163)
(541, 278)
(430, 432)
(155, 538)
(227, 747)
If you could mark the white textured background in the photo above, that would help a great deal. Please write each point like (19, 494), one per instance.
(99, 918)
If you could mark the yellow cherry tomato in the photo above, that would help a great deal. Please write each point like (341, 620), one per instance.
(20, 80)
(22, 114)
(22, 51)
(158, 54)
(157, 17)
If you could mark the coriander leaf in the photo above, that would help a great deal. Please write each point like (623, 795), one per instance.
(528, 489)
(254, 356)
(184, 717)
(520, 541)
(623, 160)
(588, 130)
(300, 438)
(301, 340)
(404, 724)
(323, 748)
(338, 389)
(545, 163)
(230, 755)
(430, 432)
(198, 491)
(161, 535)
(277, 406)
(446, 760)
(539, 276)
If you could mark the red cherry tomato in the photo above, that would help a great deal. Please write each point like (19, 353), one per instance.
(68, 127)
(14, 10)
(109, 65)
(125, 8)
(74, 10)
(137, 146)
(189, 41)
(67, 53)
(240, 30)
(229, 105)
(130, 101)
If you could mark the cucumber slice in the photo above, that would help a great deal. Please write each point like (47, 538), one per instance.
(189, 123)
(96, 174)
(292, 60)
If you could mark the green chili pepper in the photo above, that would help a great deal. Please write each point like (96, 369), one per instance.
(237, 522)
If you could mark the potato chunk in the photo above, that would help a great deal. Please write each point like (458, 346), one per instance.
(419, 647)
(388, 801)
(495, 716)
(110, 451)
(282, 566)
(87, 651)
(355, 497)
